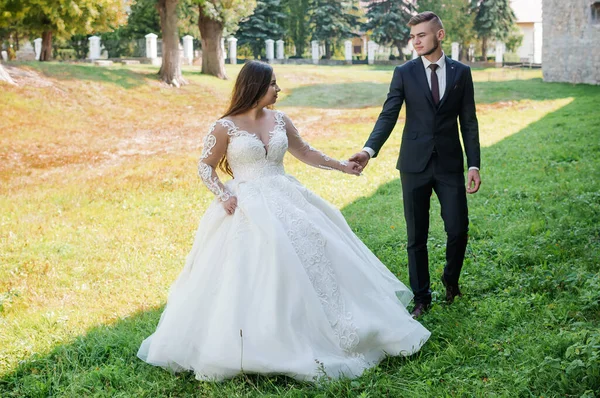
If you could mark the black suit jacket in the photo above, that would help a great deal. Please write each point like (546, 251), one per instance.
(428, 126)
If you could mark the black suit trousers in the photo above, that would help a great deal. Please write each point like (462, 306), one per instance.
(417, 189)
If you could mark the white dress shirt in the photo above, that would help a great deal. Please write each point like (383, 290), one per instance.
(441, 74)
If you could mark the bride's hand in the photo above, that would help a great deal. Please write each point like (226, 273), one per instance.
(230, 205)
(351, 167)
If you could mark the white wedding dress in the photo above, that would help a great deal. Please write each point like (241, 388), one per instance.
(282, 286)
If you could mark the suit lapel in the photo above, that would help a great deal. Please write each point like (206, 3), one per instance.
(418, 72)
(450, 74)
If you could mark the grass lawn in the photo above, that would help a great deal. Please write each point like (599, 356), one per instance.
(99, 203)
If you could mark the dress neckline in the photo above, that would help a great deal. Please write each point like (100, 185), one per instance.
(266, 146)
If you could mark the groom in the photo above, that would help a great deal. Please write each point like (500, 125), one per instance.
(437, 91)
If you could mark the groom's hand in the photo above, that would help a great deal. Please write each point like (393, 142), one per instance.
(361, 158)
(473, 181)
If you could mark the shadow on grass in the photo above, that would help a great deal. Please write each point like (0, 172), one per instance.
(526, 326)
(371, 94)
(124, 77)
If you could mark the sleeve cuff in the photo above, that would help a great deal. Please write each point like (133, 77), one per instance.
(473, 168)
(369, 151)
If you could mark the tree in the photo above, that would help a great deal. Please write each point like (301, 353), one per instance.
(64, 18)
(170, 69)
(387, 20)
(12, 14)
(297, 23)
(457, 17)
(263, 24)
(143, 19)
(333, 20)
(216, 17)
(494, 20)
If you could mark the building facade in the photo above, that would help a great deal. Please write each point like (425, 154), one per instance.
(529, 21)
(571, 41)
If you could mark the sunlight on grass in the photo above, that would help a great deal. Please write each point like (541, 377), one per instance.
(498, 121)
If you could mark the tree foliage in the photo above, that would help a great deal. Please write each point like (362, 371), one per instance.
(143, 19)
(63, 18)
(494, 20)
(264, 23)
(457, 16)
(297, 23)
(332, 21)
(387, 19)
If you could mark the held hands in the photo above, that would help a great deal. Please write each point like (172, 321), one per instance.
(362, 158)
(230, 205)
(350, 167)
(473, 181)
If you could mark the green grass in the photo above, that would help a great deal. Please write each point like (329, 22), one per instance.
(99, 202)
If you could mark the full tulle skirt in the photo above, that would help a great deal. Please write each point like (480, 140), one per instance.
(282, 286)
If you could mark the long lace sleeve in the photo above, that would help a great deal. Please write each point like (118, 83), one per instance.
(215, 146)
(306, 153)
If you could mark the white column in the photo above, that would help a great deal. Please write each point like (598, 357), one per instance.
(188, 48)
(364, 46)
(269, 49)
(499, 53)
(455, 50)
(537, 43)
(371, 52)
(37, 44)
(280, 49)
(315, 51)
(232, 50)
(4, 55)
(151, 48)
(94, 47)
(348, 51)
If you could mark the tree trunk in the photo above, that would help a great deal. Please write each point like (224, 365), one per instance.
(4, 76)
(463, 55)
(46, 54)
(170, 70)
(299, 49)
(399, 45)
(484, 49)
(211, 32)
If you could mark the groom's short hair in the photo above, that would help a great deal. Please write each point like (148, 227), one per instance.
(425, 17)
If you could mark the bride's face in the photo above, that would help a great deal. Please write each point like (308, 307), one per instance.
(271, 95)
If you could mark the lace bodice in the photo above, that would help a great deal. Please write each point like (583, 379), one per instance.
(250, 158)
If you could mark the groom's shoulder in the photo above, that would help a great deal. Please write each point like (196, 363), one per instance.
(405, 67)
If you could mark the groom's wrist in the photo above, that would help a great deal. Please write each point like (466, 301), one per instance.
(369, 151)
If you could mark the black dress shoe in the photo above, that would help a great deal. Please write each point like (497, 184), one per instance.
(419, 310)
(452, 291)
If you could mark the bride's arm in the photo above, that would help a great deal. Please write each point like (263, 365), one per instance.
(215, 147)
(309, 155)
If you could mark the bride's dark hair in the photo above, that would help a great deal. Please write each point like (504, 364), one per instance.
(250, 86)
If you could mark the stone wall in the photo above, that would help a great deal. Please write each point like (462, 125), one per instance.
(571, 44)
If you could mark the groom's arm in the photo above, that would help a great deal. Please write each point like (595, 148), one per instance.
(388, 117)
(469, 126)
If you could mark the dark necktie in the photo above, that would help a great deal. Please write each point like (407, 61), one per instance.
(435, 85)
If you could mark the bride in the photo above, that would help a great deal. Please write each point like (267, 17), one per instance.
(276, 281)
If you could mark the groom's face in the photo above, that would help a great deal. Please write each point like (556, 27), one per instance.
(426, 37)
